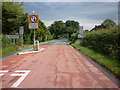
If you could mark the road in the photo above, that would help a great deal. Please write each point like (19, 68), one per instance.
(59, 65)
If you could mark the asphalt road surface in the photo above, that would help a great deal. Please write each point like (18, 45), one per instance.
(59, 65)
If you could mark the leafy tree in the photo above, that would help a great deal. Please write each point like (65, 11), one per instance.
(57, 29)
(108, 23)
(72, 27)
(14, 17)
(72, 23)
(0, 17)
(42, 33)
(12, 13)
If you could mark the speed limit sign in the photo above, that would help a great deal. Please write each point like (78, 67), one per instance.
(33, 18)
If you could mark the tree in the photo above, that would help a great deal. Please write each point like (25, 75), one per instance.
(108, 23)
(71, 27)
(72, 23)
(14, 17)
(12, 13)
(42, 33)
(57, 29)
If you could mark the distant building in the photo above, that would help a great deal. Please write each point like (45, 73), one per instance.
(98, 27)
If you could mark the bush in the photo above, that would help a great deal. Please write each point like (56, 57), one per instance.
(74, 36)
(7, 45)
(6, 42)
(104, 41)
(18, 41)
(49, 37)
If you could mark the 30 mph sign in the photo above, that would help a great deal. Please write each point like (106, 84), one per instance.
(33, 18)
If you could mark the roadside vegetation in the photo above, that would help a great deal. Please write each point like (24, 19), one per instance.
(104, 60)
(14, 16)
(8, 46)
(104, 41)
(60, 29)
(102, 45)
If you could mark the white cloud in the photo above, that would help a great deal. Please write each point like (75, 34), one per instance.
(47, 23)
(89, 24)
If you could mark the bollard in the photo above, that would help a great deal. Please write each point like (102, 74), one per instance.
(36, 47)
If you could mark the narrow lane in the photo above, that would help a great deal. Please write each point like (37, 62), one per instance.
(59, 65)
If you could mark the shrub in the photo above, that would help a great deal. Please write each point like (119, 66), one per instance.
(6, 42)
(74, 36)
(7, 45)
(104, 41)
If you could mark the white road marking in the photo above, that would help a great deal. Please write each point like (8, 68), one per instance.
(41, 49)
(68, 43)
(71, 46)
(2, 72)
(26, 72)
(4, 66)
(26, 52)
(12, 61)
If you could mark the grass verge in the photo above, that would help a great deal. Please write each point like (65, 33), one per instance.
(107, 62)
(14, 48)
(8, 50)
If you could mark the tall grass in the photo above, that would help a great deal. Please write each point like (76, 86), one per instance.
(7, 46)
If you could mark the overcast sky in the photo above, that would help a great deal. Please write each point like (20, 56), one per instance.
(87, 14)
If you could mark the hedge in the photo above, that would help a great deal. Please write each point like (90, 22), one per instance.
(104, 41)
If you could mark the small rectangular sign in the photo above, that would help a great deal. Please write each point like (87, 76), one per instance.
(21, 30)
(80, 35)
(80, 29)
(12, 36)
(33, 25)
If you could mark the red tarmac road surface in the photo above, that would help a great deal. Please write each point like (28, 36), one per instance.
(57, 66)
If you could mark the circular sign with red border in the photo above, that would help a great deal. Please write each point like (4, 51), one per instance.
(33, 18)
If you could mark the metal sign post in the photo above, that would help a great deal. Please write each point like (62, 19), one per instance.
(34, 37)
(14, 41)
(21, 31)
(33, 21)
